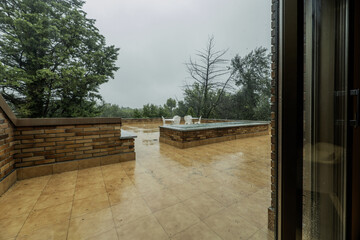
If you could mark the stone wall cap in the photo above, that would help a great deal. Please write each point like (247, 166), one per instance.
(127, 135)
(205, 126)
(29, 122)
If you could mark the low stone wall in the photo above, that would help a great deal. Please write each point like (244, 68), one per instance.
(186, 139)
(38, 147)
(64, 144)
(6, 151)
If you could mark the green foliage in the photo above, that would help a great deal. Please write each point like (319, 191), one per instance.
(113, 110)
(252, 76)
(250, 98)
(53, 58)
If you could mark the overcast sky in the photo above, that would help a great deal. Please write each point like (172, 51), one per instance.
(157, 37)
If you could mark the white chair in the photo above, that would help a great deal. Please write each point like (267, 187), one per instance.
(171, 120)
(177, 120)
(199, 122)
(188, 119)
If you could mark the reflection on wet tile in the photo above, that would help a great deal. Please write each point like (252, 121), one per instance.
(197, 232)
(128, 211)
(146, 228)
(216, 191)
(90, 204)
(176, 218)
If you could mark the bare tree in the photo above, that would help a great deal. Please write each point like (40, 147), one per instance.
(211, 75)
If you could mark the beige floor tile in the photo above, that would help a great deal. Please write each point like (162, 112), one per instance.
(10, 226)
(90, 204)
(91, 224)
(252, 211)
(128, 211)
(228, 224)
(146, 228)
(65, 176)
(123, 194)
(148, 186)
(36, 184)
(89, 190)
(47, 200)
(184, 191)
(90, 179)
(56, 231)
(203, 205)
(235, 174)
(109, 235)
(160, 199)
(117, 184)
(224, 196)
(205, 184)
(263, 235)
(176, 218)
(197, 232)
(47, 216)
(17, 206)
(59, 186)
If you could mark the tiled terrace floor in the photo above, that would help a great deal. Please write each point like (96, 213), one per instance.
(217, 191)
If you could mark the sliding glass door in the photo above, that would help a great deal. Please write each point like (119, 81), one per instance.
(326, 122)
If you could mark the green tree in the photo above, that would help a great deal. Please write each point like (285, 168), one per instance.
(52, 58)
(252, 76)
(169, 106)
(113, 110)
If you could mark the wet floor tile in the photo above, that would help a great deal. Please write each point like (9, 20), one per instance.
(217, 191)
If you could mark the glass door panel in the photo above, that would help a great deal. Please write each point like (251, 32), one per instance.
(325, 119)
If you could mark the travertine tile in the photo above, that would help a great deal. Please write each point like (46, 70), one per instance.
(197, 232)
(226, 184)
(184, 191)
(160, 199)
(128, 211)
(85, 191)
(91, 224)
(203, 205)
(123, 194)
(47, 216)
(176, 218)
(10, 226)
(145, 228)
(56, 231)
(228, 224)
(109, 235)
(90, 204)
(224, 196)
(52, 199)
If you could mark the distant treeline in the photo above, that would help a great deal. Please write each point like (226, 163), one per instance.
(239, 91)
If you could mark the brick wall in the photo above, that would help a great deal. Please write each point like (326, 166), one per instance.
(185, 139)
(53, 144)
(6, 145)
(274, 105)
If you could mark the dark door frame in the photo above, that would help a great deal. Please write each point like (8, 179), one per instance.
(354, 134)
(290, 121)
(290, 118)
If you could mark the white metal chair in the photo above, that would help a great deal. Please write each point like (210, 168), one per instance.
(188, 119)
(199, 122)
(177, 120)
